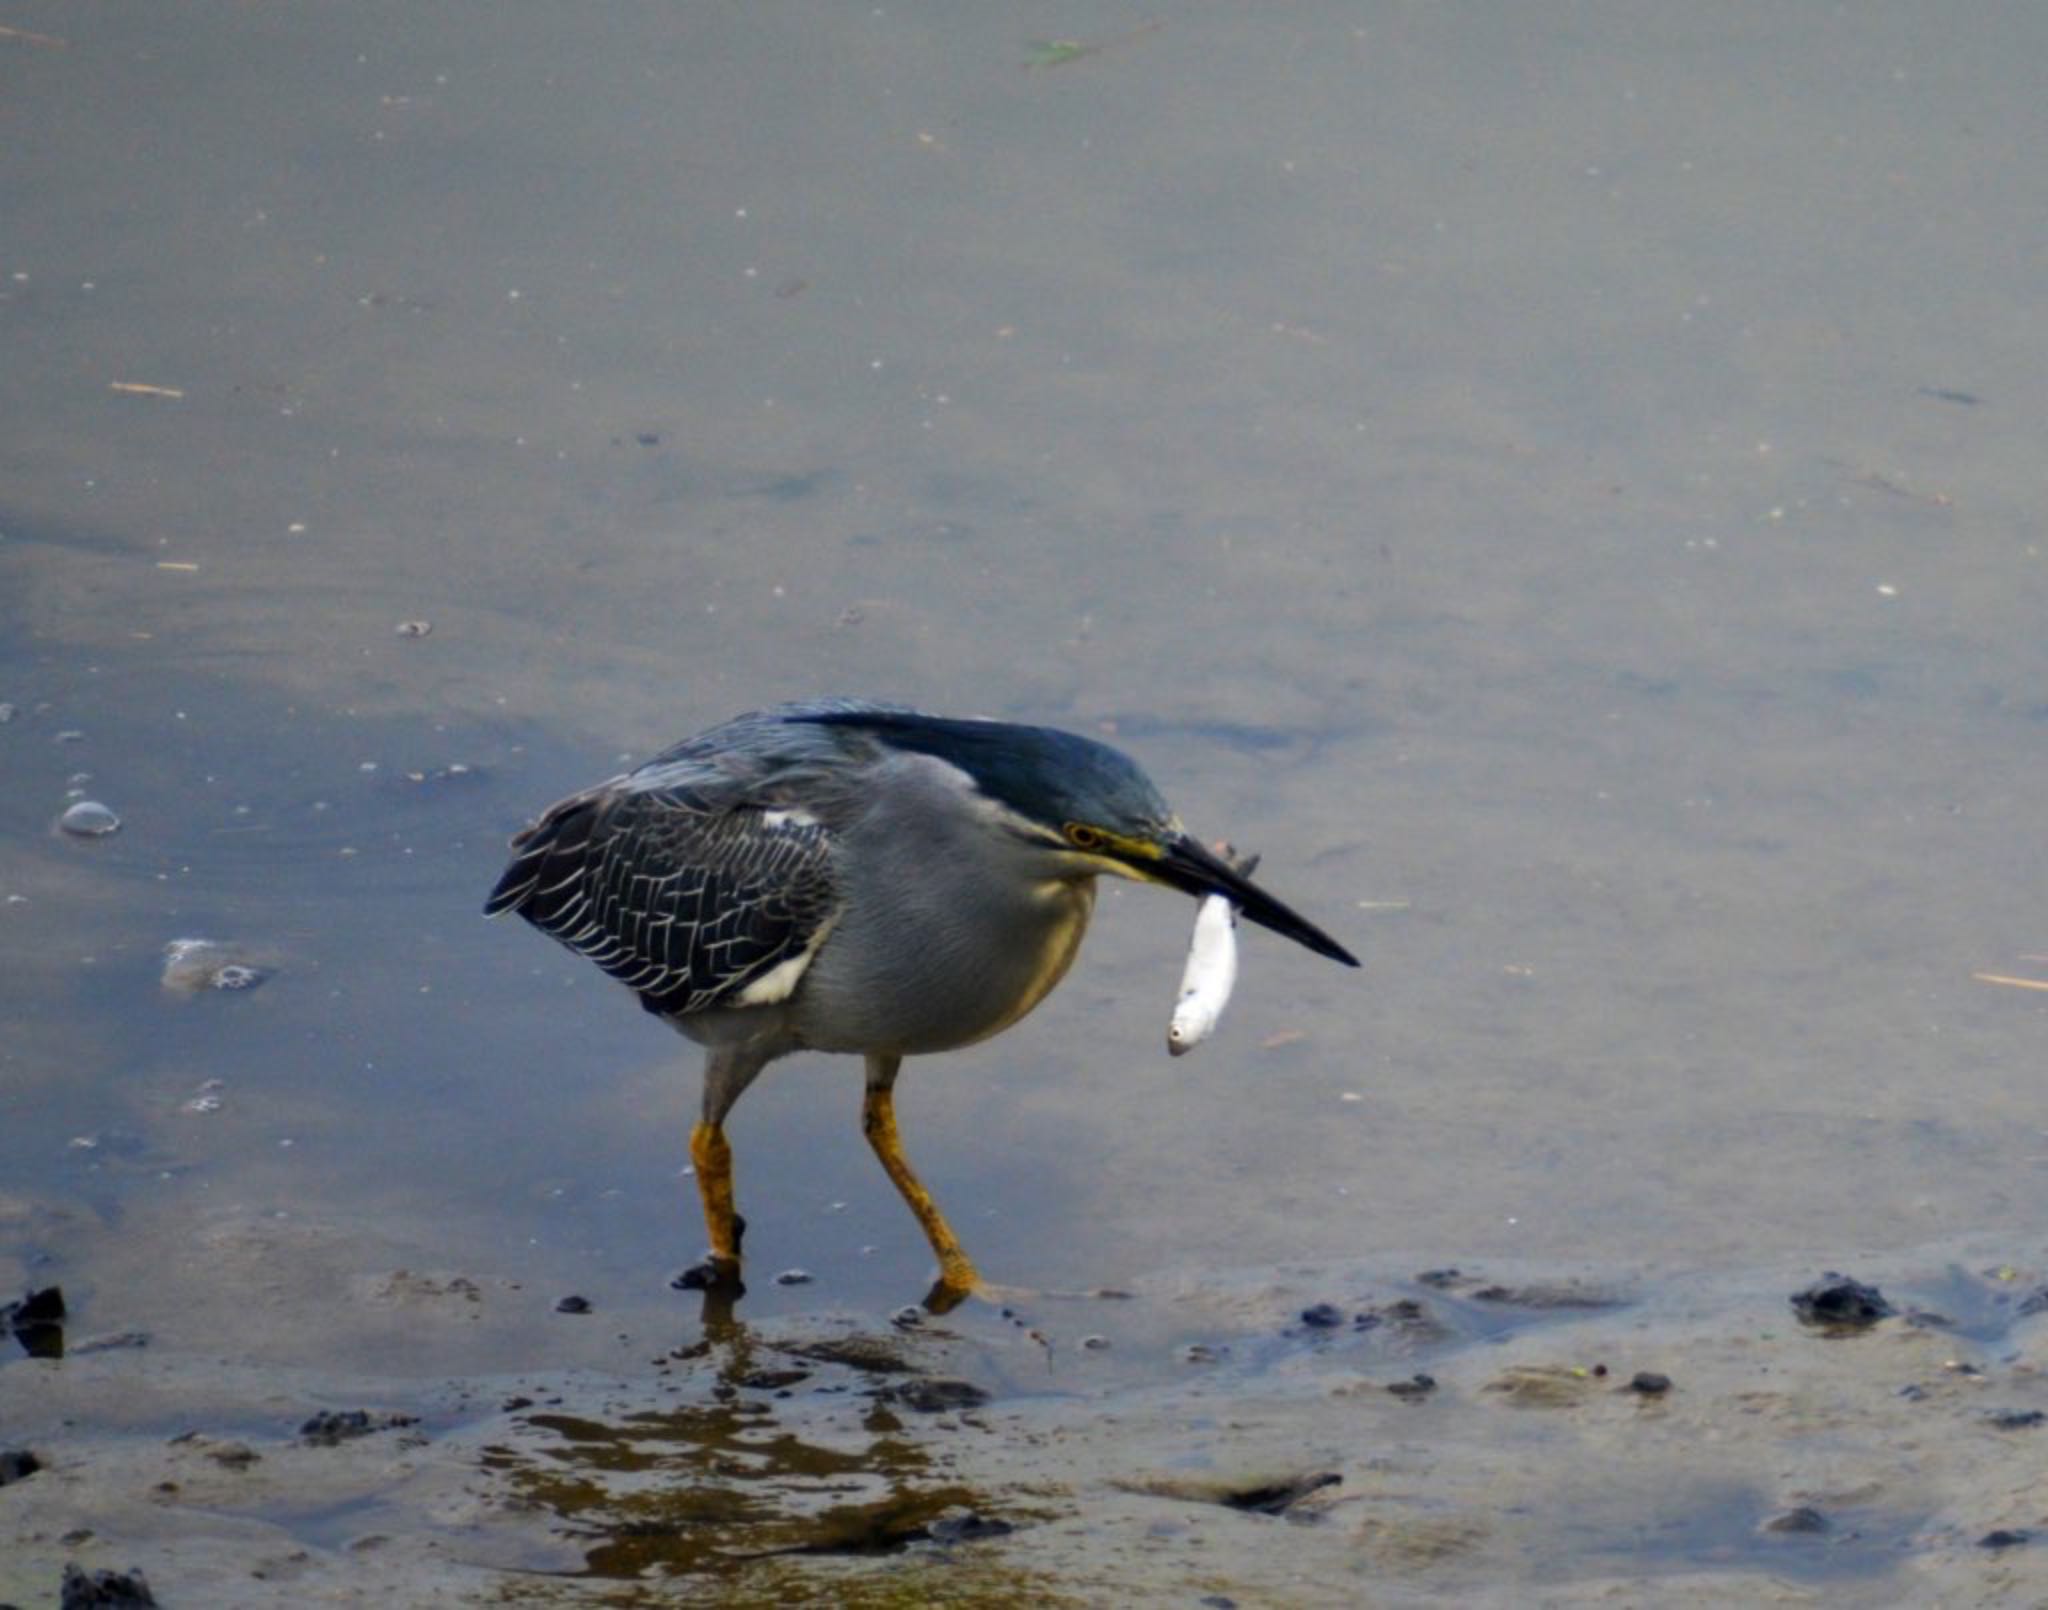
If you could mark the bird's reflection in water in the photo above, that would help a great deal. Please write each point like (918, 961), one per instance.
(786, 1451)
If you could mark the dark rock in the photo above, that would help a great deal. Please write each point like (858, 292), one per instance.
(1323, 1316)
(794, 1277)
(934, 1395)
(1277, 1497)
(332, 1427)
(17, 1464)
(1650, 1383)
(1802, 1520)
(2006, 1537)
(44, 1307)
(37, 1322)
(968, 1526)
(573, 1305)
(104, 1590)
(1439, 1279)
(770, 1380)
(2018, 1419)
(1417, 1387)
(1840, 1303)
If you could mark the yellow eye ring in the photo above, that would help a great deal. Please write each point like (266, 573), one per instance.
(1084, 837)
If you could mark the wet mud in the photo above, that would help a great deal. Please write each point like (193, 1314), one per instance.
(1683, 1441)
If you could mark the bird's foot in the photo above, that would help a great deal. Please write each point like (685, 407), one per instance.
(713, 1274)
(1012, 1304)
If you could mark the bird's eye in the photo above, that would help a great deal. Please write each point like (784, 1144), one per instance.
(1084, 837)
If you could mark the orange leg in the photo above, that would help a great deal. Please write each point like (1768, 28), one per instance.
(711, 1153)
(957, 1276)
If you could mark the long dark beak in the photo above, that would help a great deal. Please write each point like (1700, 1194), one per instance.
(1189, 867)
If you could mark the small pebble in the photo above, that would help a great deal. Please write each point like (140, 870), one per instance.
(1804, 1519)
(1323, 1316)
(1651, 1383)
(573, 1305)
(793, 1277)
(414, 628)
(2018, 1419)
(2005, 1537)
(89, 819)
(1093, 1344)
(1418, 1386)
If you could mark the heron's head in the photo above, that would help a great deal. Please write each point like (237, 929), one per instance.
(1086, 803)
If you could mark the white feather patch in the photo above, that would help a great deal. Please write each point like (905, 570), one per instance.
(781, 980)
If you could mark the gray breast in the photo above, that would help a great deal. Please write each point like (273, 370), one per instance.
(950, 928)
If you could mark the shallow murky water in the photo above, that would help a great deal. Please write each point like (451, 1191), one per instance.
(1563, 488)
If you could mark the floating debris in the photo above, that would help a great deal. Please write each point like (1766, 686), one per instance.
(192, 965)
(88, 819)
(2011, 982)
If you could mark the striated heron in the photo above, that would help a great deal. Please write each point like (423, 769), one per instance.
(847, 876)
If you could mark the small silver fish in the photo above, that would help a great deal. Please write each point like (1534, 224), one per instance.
(1210, 974)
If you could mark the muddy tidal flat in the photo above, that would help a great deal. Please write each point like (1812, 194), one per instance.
(1317, 1435)
(1560, 483)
